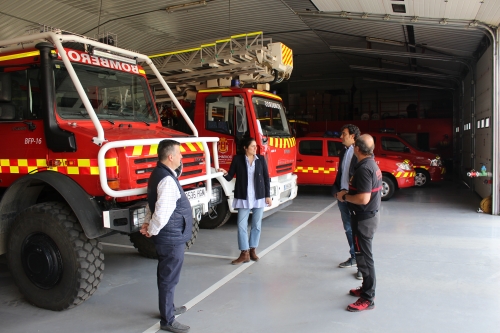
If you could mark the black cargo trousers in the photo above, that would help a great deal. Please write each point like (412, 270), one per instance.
(363, 229)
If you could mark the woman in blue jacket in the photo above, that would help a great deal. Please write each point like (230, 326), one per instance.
(251, 193)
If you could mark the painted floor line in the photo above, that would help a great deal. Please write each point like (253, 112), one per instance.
(208, 255)
(186, 253)
(118, 245)
(243, 267)
(298, 211)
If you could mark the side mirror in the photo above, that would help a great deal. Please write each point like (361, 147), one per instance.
(406, 150)
(5, 87)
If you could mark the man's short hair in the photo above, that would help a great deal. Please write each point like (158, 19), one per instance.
(166, 148)
(353, 129)
(363, 146)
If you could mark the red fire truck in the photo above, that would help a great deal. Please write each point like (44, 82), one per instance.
(80, 133)
(318, 159)
(219, 107)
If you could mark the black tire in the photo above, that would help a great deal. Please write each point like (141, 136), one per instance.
(422, 178)
(146, 246)
(54, 264)
(388, 188)
(223, 215)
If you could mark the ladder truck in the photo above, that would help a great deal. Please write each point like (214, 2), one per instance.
(80, 134)
(222, 87)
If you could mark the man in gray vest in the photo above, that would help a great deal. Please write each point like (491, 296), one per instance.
(169, 222)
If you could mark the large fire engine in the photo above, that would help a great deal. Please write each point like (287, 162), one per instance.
(80, 133)
(211, 80)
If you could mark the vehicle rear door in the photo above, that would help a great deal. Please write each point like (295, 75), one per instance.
(310, 158)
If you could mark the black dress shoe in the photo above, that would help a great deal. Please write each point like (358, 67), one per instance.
(179, 310)
(176, 327)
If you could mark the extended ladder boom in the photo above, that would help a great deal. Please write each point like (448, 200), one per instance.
(251, 58)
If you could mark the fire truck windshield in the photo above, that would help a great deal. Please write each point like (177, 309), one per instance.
(114, 95)
(271, 116)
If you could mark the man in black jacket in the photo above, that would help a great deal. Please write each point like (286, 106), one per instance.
(349, 134)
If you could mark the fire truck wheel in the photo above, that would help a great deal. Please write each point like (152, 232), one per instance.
(53, 263)
(388, 188)
(144, 245)
(422, 178)
(223, 215)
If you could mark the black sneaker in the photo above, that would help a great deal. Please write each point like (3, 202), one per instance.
(351, 262)
(175, 327)
(359, 276)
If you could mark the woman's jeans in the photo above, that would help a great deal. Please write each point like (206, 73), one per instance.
(243, 242)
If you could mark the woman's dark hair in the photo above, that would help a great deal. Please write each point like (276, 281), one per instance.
(246, 142)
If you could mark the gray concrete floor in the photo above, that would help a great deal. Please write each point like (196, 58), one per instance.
(437, 261)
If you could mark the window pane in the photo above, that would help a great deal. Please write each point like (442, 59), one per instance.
(334, 148)
(220, 115)
(392, 144)
(311, 147)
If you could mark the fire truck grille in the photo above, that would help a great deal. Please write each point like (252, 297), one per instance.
(140, 168)
(284, 168)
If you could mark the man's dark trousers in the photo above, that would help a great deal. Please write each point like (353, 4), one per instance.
(363, 229)
(170, 259)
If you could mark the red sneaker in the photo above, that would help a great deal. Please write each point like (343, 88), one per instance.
(360, 305)
(355, 292)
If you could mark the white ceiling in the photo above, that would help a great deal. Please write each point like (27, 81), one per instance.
(487, 11)
(309, 28)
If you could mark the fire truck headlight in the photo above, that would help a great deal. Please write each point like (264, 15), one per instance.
(138, 216)
(404, 166)
(436, 162)
(273, 191)
(215, 195)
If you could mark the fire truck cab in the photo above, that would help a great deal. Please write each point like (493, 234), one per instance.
(318, 163)
(223, 89)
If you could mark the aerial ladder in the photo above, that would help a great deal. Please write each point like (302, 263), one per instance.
(249, 58)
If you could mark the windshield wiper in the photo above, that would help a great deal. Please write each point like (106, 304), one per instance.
(111, 121)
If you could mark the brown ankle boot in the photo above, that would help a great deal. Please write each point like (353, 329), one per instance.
(253, 255)
(244, 257)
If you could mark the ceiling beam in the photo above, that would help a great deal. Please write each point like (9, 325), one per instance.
(408, 84)
(403, 72)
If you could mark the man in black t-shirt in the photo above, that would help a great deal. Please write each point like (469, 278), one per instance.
(364, 199)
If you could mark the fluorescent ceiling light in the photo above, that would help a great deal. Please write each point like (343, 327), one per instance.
(384, 41)
(186, 6)
(107, 55)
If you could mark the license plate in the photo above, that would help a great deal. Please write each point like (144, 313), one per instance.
(287, 186)
(195, 194)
